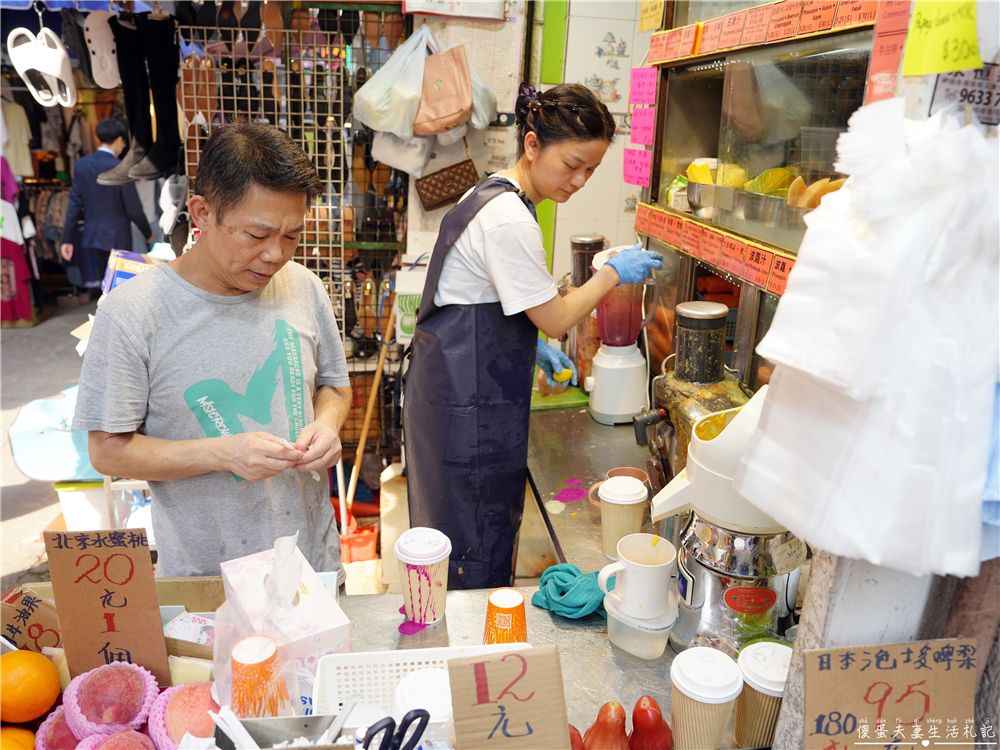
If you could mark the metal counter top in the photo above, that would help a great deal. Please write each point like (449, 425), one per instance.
(569, 451)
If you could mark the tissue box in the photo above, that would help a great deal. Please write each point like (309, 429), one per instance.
(316, 626)
(123, 265)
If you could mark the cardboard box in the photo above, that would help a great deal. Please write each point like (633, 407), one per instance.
(123, 265)
(409, 288)
(316, 626)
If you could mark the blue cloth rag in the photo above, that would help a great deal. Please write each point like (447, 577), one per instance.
(567, 591)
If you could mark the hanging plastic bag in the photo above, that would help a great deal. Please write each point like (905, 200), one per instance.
(484, 101)
(390, 99)
(408, 154)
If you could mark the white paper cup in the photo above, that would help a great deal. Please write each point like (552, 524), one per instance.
(623, 506)
(706, 684)
(764, 667)
(423, 569)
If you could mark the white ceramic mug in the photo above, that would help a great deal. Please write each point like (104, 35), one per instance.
(642, 576)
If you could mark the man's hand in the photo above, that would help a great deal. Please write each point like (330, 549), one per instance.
(256, 455)
(66, 250)
(325, 450)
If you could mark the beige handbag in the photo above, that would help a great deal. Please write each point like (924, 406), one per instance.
(446, 94)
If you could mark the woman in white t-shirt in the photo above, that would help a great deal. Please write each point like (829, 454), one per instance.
(488, 293)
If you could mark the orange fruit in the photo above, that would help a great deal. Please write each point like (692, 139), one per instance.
(29, 685)
(16, 738)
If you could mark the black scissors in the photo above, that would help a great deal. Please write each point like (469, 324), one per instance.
(392, 739)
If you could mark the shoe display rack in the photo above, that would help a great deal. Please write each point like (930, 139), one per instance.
(302, 79)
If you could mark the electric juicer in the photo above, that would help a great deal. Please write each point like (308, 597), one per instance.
(618, 380)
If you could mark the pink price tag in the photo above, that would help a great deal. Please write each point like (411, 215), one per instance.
(657, 48)
(732, 255)
(657, 224)
(689, 40)
(710, 33)
(854, 12)
(757, 265)
(642, 214)
(755, 29)
(636, 166)
(784, 20)
(675, 229)
(642, 88)
(691, 239)
(780, 268)
(673, 48)
(643, 120)
(817, 15)
(732, 30)
(711, 246)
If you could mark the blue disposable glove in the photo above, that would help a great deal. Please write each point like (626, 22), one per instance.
(634, 264)
(552, 361)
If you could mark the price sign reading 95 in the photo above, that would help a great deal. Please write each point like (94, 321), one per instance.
(898, 696)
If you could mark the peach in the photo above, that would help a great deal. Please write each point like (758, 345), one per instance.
(187, 712)
(112, 694)
(127, 739)
(59, 736)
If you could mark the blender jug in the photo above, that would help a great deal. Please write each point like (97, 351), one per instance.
(619, 313)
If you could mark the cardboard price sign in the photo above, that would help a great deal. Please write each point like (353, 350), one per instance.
(784, 20)
(642, 214)
(642, 86)
(643, 122)
(855, 12)
(887, 49)
(675, 229)
(636, 166)
(710, 33)
(509, 700)
(907, 695)
(30, 622)
(756, 265)
(657, 47)
(691, 239)
(942, 38)
(732, 29)
(650, 15)
(755, 29)
(817, 15)
(103, 583)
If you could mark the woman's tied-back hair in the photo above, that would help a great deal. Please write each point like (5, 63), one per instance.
(563, 113)
(246, 153)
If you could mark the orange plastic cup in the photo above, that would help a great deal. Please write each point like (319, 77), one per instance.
(505, 617)
(258, 685)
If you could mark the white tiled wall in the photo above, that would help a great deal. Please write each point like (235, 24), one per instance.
(600, 206)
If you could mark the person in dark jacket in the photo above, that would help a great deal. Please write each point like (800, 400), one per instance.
(107, 211)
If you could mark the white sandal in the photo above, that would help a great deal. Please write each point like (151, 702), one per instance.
(102, 48)
(43, 64)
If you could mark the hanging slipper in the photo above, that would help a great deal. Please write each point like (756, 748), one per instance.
(274, 24)
(185, 14)
(103, 51)
(43, 64)
(300, 25)
(394, 29)
(228, 23)
(73, 38)
(295, 99)
(372, 25)
(319, 96)
(271, 91)
(250, 23)
(205, 21)
(207, 98)
(187, 86)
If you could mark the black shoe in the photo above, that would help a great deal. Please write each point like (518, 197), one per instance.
(120, 174)
(250, 23)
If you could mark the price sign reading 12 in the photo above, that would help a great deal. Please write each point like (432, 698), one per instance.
(509, 700)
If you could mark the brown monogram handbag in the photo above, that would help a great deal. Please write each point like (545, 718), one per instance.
(448, 185)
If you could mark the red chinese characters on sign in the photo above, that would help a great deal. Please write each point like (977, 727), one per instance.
(732, 255)
(689, 38)
(784, 20)
(780, 268)
(691, 239)
(711, 246)
(817, 15)
(642, 219)
(673, 47)
(732, 30)
(657, 47)
(710, 34)
(756, 265)
(755, 29)
(675, 229)
(854, 12)
(657, 224)
(887, 49)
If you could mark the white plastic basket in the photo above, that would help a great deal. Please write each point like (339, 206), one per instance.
(375, 674)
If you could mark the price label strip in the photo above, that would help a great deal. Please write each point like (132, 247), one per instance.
(784, 20)
(980, 89)
(755, 29)
(910, 695)
(817, 15)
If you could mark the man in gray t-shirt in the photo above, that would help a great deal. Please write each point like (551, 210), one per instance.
(200, 373)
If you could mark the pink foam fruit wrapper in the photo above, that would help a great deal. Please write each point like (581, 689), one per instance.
(94, 740)
(81, 726)
(423, 566)
(158, 720)
(43, 730)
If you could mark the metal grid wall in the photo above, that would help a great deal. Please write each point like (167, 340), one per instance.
(357, 228)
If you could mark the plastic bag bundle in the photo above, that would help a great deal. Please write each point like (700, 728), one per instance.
(873, 440)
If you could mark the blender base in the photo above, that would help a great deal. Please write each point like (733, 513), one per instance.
(618, 384)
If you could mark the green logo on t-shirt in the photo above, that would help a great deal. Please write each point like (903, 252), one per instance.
(217, 406)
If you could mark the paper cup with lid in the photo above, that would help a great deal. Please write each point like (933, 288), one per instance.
(706, 684)
(764, 667)
(623, 506)
(423, 569)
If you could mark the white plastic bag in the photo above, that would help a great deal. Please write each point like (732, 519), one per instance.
(484, 101)
(408, 154)
(390, 99)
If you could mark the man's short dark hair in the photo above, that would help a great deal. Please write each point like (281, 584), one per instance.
(109, 129)
(246, 153)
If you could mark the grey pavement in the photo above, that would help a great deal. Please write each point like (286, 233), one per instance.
(35, 363)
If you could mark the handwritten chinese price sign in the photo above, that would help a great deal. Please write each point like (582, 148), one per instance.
(510, 700)
(916, 694)
(942, 38)
(103, 585)
(642, 86)
(29, 621)
(636, 165)
(643, 121)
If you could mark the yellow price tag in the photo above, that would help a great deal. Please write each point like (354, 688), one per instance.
(942, 38)
(650, 15)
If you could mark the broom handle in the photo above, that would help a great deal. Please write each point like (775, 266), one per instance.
(368, 412)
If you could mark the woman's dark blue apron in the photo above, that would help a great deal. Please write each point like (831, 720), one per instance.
(465, 416)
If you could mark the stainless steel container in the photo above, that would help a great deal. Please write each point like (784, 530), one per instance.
(583, 248)
(734, 587)
(701, 342)
(701, 198)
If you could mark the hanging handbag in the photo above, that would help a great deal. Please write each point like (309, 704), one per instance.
(447, 185)
(446, 93)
